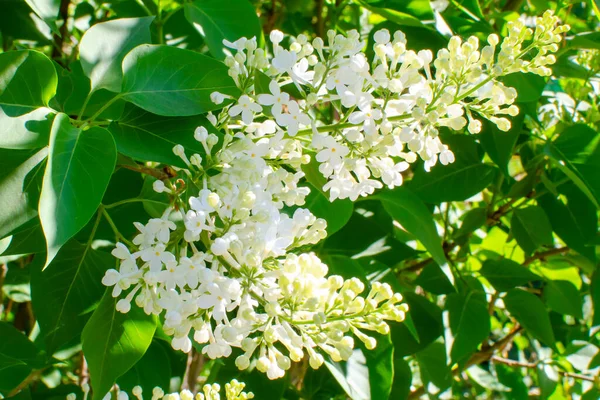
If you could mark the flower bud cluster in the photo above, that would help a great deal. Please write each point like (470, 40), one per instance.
(225, 264)
(388, 111)
(234, 390)
(522, 40)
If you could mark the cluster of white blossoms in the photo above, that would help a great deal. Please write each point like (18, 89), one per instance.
(234, 390)
(224, 265)
(228, 264)
(387, 113)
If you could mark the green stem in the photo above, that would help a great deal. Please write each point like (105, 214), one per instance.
(101, 110)
(135, 200)
(85, 103)
(474, 88)
(118, 234)
(95, 227)
(337, 126)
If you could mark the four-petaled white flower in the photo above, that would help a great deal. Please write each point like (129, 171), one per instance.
(247, 107)
(220, 297)
(293, 118)
(277, 98)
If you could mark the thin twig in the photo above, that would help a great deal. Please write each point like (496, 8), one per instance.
(84, 375)
(195, 363)
(320, 25)
(157, 173)
(522, 364)
(3, 272)
(26, 382)
(543, 254)
(485, 354)
(59, 39)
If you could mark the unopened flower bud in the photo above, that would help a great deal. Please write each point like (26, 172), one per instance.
(201, 134)
(158, 186)
(276, 36)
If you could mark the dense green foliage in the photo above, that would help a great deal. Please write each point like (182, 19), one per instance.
(496, 254)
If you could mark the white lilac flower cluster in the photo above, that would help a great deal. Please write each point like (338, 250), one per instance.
(228, 263)
(226, 266)
(234, 390)
(388, 112)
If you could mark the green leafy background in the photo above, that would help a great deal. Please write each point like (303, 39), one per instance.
(495, 254)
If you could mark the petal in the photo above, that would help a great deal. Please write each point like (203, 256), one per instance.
(293, 107)
(266, 99)
(274, 88)
(255, 107)
(235, 110)
(247, 116)
(323, 155)
(356, 117)
(205, 301)
(293, 128)
(111, 277)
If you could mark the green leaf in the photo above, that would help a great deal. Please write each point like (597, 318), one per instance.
(46, 10)
(485, 379)
(174, 82)
(427, 318)
(104, 45)
(114, 342)
(499, 145)
(576, 153)
(79, 168)
(408, 210)
(19, 187)
(219, 20)
(380, 363)
(472, 220)
(65, 293)
(529, 86)
(28, 131)
(531, 313)
(506, 274)
(457, 181)
(472, 6)
(585, 40)
(574, 221)
(27, 81)
(469, 322)
(352, 376)
(29, 239)
(336, 213)
(417, 8)
(402, 379)
(563, 297)
(344, 266)
(16, 284)
(531, 228)
(547, 378)
(391, 14)
(433, 280)
(434, 365)
(18, 356)
(368, 374)
(152, 370)
(149, 137)
(595, 294)
(72, 94)
(18, 22)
